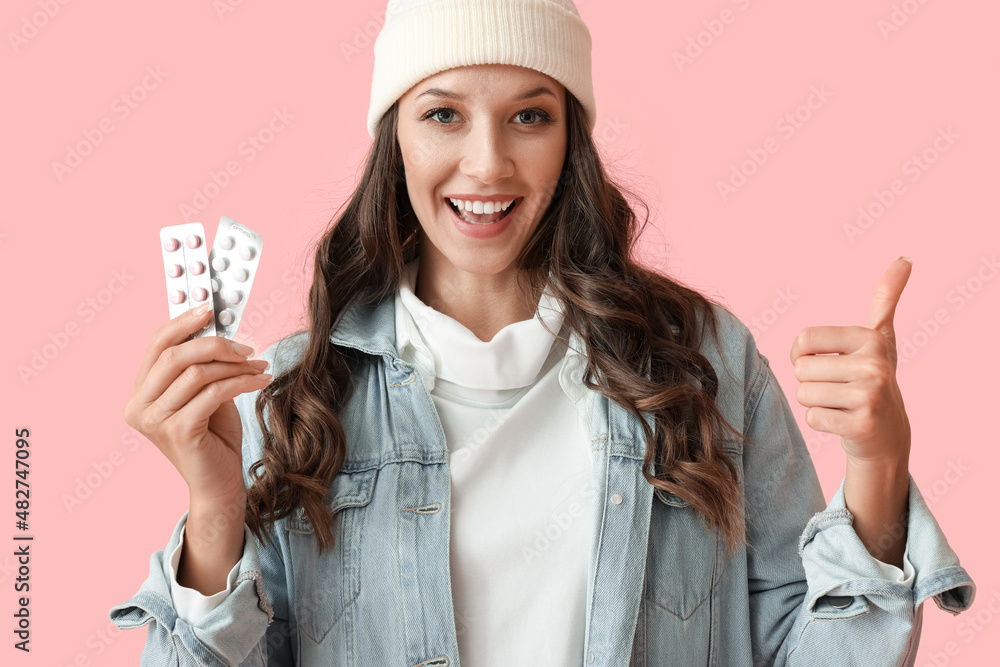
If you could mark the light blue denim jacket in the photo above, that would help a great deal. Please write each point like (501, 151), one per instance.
(662, 590)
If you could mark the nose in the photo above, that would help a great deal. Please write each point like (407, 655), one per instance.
(487, 156)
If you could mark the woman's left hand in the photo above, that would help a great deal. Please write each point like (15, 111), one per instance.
(854, 393)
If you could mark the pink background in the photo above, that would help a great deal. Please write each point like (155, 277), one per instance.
(674, 131)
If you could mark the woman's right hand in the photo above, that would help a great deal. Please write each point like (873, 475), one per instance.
(182, 401)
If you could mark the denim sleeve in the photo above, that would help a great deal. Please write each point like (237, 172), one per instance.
(231, 634)
(191, 604)
(249, 627)
(817, 597)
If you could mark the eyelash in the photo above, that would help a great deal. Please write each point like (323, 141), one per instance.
(544, 115)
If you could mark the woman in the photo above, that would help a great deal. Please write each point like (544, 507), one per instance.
(503, 439)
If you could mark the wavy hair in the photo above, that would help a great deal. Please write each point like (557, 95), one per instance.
(622, 310)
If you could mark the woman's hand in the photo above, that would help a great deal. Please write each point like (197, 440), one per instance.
(854, 394)
(182, 401)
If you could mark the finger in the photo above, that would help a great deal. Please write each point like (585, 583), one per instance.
(831, 368)
(197, 376)
(196, 412)
(828, 420)
(174, 360)
(828, 340)
(839, 395)
(174, 332)
(887, 292)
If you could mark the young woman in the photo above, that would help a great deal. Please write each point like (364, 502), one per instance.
(503, 441)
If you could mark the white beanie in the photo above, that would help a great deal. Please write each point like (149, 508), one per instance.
(423, 37)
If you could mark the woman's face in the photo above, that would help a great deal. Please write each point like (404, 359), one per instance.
(472, 134)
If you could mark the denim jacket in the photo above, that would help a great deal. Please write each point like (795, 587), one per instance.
(662, 588)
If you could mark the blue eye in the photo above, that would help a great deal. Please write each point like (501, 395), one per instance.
(544, 116)
(435, 112)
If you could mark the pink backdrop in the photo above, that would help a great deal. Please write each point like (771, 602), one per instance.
(809, 111)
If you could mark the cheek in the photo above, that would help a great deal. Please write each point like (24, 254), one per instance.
(423, 156)
(543, 164)
(424, 165)
(557, 156)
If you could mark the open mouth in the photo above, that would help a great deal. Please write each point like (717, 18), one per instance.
(483, 219)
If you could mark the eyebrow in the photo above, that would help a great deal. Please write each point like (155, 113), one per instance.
(440, 92)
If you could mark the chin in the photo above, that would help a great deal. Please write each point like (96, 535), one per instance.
(480, 263)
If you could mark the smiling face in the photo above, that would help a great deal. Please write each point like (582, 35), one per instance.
(481, 134)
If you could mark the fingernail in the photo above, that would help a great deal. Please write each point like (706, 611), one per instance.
(240, 348)
(908, 259)
(202, 309)
(259, 363)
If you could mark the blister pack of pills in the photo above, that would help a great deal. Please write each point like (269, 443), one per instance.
(185, 264)
(234, 258)
(222, 277)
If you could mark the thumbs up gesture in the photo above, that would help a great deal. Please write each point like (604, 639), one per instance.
(854, 394)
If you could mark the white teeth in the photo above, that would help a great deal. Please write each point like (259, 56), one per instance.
(481, 207)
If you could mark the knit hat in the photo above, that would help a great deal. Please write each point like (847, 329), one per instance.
(423, 37)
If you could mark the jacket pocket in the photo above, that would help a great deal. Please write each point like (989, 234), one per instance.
(683, 556)
(323, 586)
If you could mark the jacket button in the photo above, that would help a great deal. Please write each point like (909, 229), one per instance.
(840, 601)
(617, 500)
(590, 658)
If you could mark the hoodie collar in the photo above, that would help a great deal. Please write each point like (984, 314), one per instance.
(447, 350)
(372, 328)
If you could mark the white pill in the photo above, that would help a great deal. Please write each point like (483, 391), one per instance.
(226, 243)
(241, 275)
(215, 284)
(226, 317)
(234, 297)
(220, 263)
(246, 253)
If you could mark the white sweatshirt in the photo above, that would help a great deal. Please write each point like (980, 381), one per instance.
(522, 506)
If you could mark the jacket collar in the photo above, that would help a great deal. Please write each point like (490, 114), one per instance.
(368, 327)
(371, 328)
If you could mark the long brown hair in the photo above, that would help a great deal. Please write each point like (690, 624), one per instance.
(622, 310)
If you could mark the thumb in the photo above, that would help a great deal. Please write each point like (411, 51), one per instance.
(887, 291)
